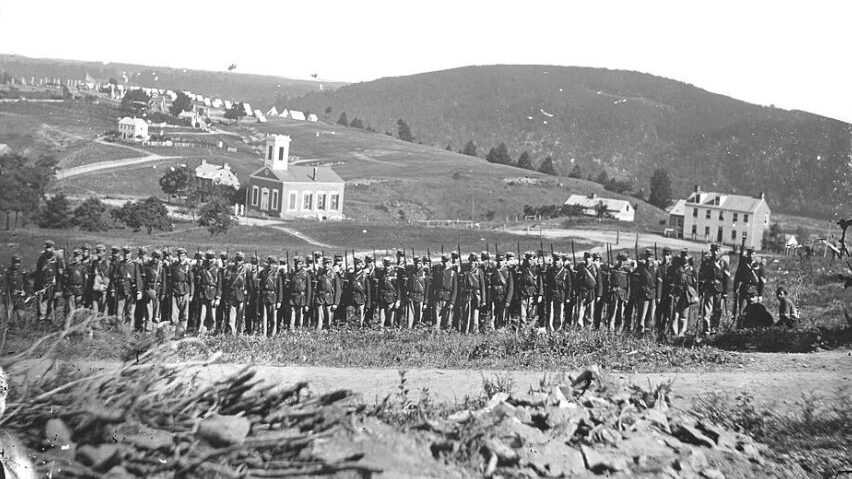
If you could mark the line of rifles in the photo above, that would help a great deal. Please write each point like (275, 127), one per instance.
(232, 294)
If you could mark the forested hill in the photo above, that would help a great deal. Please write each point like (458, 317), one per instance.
(625, 123)
(262, 91)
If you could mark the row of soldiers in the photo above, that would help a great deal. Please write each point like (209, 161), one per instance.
(236, 295)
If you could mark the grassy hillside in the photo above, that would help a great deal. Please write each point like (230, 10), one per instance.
(626, 123)
(387, 179)
(260, 90)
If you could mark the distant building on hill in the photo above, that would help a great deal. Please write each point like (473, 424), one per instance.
(721, 218)
(208, 175)
(288, 191)
(133, 129)
(4, 149)
(312, 117)
(621, 210)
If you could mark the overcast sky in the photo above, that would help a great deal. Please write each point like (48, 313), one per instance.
(795, 55)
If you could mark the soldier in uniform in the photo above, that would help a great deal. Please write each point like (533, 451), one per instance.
(86, 261)
(252, 288)
(587, 287)
(417, 286)
(446, 290)
(360, 295)
(327, 294)
(600, 286)
(664, 309)
(387, 296)
(750, 278)
(529, 288)
(682, 294)
(299, 293)
(284, 309)
(125, 281)
(155, 290)
(401, 271)
(195, 305)
(502, 289)
(166, 299)
(471, 295)
(209, 291)
(514, 270)
(649, 293)
(619, 292)
(270, 295)
(48, 273)
(234, 292)
(181, 288)
(714, 278)
(485, 266)
(15, 291)
(74, 282)
(560, 292)
(98, 282)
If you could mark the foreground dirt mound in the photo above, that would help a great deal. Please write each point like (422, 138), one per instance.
(589, 427)
(153, 418)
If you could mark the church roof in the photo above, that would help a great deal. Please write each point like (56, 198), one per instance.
(299, 174)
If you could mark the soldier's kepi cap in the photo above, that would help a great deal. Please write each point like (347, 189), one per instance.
(271, 259)
(445, 257)
(76, 252)
(338, 258)
(714, 247)
(240, 256)
(181, 250)
(472, 257)
(596, 256)
(400, 253)
(621, 257)
(368, 259)
(416, 260)
(223, 254)
(357, 260)
(156, 253)
(326, 261)
(115, 249)
(309, 259)
(510, 255)
(528, 254)
(49, 243)
(210, 254)
(100, 247)
(16, 258)
(125, 249)
(565, 257)
(667, 250)
(297, 260)
(498, 257)
(484, 256)
(587, 255)
(425, 259)
(648, 253)
(142, 250)
(86, 247)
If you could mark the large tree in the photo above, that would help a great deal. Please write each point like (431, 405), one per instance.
(357, 123)
(575, 172)
(23, 184)
(469, 149)
(150, 214)
(135, 102)
(661, 189)
(343, 119)
(236, 112)
(56, 213)
(403, 131)
(217, 216)
(547, 167)
(182, 103)
(499, 155)
(176, 180)
(525, 162)
(92, 215)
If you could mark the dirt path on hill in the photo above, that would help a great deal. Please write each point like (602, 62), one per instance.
(277, 225)
(145, 157)
(772, 379)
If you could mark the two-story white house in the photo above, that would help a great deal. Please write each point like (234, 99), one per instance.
(721, 218)
(133, 129)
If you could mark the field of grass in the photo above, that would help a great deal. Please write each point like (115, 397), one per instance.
(84, 153)
(52, 128)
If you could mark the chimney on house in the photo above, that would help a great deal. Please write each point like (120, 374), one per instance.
(697, 188)
(592, 195)
(227, 167)
(203, 161)
(314, 177)
(762, 195)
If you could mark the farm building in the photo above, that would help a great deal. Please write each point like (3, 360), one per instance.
(287, 191)
(721, 218)
(621, 210)
(208, 174)
(133, 129)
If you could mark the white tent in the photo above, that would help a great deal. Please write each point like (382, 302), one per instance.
(272, 112)
(297, 115)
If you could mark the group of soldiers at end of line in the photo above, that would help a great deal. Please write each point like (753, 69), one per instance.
(230, 295)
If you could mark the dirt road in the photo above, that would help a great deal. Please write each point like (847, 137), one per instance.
(146, 157)
(779, 379)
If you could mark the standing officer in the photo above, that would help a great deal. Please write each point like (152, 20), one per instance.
(714, 277)
(502, 288)
(587, 286)
(155, 290)
(750, 278)
(560, 292)
(98, 282)
(86, 261)
(270, 294)
(181, 290)
(252, 284)
(74, 282)
(619, 293)
(327, 295)
(471, 295)
(649, 293)
(48, 273)
(387, 296)
(486, 265)
(446, 290)
(125, 286)
(417, 286)
(209, 291)
(664, 279)
(234, 291)
(360, 295)
(14, 292)
(299, 293)
(529, 288)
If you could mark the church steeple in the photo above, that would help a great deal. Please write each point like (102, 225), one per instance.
(277, 152)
